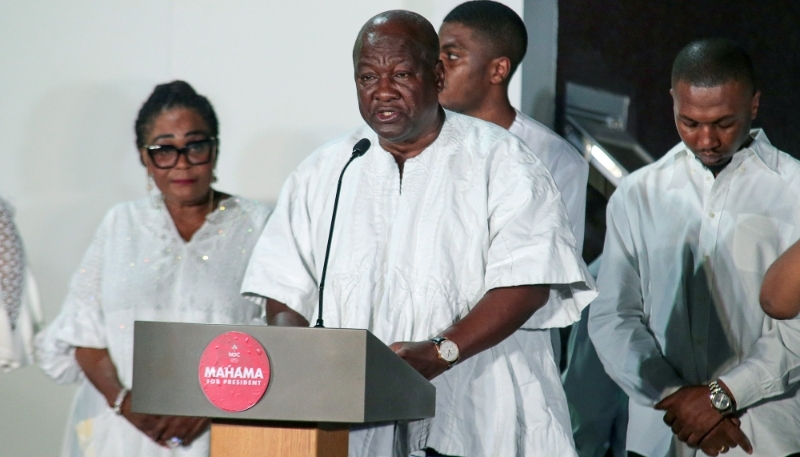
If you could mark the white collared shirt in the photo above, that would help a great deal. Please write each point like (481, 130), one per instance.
(684, 258)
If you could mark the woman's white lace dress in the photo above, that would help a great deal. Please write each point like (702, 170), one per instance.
(139, 268)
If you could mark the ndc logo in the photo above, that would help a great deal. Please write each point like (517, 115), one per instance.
(234, 371)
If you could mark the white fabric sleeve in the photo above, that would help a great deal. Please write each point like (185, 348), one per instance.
(771, 368)
(629, 352)
(531, 240)
(571, 177)
(282, 265)
(81, 322)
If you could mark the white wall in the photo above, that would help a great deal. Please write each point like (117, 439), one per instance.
(72, 78)
(538, 70)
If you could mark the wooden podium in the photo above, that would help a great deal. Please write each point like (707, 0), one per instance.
(321, 381)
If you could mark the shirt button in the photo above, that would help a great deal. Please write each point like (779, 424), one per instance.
(710, 214)
(708, 178)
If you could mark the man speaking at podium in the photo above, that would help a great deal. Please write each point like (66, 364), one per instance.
(450, 235)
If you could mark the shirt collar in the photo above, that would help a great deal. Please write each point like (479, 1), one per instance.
(765, 151)
(759, 147)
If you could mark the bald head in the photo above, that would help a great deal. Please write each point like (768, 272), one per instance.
(413, 29)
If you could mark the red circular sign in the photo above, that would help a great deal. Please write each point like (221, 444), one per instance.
(234, 371)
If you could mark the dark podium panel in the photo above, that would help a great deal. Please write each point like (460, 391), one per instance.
(317, 375)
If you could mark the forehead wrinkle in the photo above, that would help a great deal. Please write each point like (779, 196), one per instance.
(387, 59)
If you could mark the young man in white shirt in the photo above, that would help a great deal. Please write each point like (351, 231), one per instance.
(678, 323)
(482, 44)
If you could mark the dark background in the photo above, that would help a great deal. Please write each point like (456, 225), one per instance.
(627, 47)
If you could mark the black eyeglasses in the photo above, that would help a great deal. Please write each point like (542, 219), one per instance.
(196, 152)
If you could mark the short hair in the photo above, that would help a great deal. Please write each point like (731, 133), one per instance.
(177, 94)
(497, 24)
(425, 40)
(712, 62)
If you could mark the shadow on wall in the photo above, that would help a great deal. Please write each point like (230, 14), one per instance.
(268, 160)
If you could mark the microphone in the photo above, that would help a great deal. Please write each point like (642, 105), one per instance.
(358, 150)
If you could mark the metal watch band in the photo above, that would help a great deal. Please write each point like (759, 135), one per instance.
(716, 389)
(117, 407)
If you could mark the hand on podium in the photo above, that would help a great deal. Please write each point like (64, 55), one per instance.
(423, 356)
(500, 312)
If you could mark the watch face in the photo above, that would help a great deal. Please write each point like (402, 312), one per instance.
(721, 401)
(449, 351)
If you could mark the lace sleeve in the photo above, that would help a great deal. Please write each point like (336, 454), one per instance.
(80, 323)
(12, 264)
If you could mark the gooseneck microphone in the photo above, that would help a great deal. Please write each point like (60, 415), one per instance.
(358, 150)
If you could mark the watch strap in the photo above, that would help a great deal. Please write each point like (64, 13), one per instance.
(716, 389)
(438, 340)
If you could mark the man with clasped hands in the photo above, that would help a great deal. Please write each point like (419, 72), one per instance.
(450, 235)
(678, 323)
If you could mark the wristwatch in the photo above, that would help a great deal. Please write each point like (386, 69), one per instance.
(719, 399)
(448, 350)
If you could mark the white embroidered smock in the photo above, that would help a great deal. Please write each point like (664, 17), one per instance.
(569, 169)
(139, 268)
(684, 258)
(476, 210)
(570, 172)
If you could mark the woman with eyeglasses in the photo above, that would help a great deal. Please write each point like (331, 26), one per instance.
(178, 256)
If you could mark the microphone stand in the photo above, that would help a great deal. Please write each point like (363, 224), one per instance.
(358, 150)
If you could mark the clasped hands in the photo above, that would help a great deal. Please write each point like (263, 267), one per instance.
(167, 431)
(697, 423)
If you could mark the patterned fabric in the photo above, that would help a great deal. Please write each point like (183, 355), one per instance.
(20, 310)
(12, 264)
